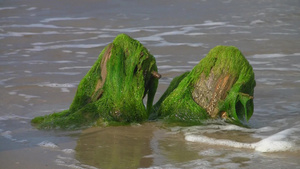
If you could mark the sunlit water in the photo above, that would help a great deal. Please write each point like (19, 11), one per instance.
(48, 46)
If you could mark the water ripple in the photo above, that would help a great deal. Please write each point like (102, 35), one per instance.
(63, 19)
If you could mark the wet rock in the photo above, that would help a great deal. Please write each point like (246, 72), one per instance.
(221, 85)
(113, 89)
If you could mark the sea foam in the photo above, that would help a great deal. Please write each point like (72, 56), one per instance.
(220, 142)
(275, 143)
(68, 151)
(47, 144)
(63, 19)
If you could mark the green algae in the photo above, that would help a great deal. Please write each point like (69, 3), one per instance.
(113, 89)
(173, 85)
(112, 92)
(221, 85)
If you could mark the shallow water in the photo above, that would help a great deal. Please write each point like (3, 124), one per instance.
(47, 47)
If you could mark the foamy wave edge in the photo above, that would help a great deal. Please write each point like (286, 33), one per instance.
(273, 143)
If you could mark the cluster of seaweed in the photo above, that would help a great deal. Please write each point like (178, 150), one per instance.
(230, 97)
(113, 90)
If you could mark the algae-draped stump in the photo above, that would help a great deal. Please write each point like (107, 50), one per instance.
(113, 89)
(221, 85)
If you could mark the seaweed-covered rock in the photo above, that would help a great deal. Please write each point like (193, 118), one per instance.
(221, 85)
(113, 89)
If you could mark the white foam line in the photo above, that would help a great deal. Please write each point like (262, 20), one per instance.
(239, 32)
(67, 51)
(34, 62)
(161, 56)
(21, 34)
(47, 144)
(165, 43)
(196, 34)
(206, 23)
(63, 61)
(282, 33)
(258, 63)
(71, 163)
(17, 34)
(256, 22)
(274, 55)
(2, 81)
(211, 141)
(68, 151)
(152, 28)
(261, 39)
(32, 8)
(13, 117)
(65, 90)
(63, 19)
(84, 46)
(150, 38)
(126, 30)
(210, 152)
(277, 69)
(296, 65)
(32, 26)
(8, 135)
(5, 8)
(62, 41)
(82, 53)
(193, 62)
(56, 85)
(28, 96)
(274, 143)
(62, 73)
(175, 32)
(75, 67)
(224, 127)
